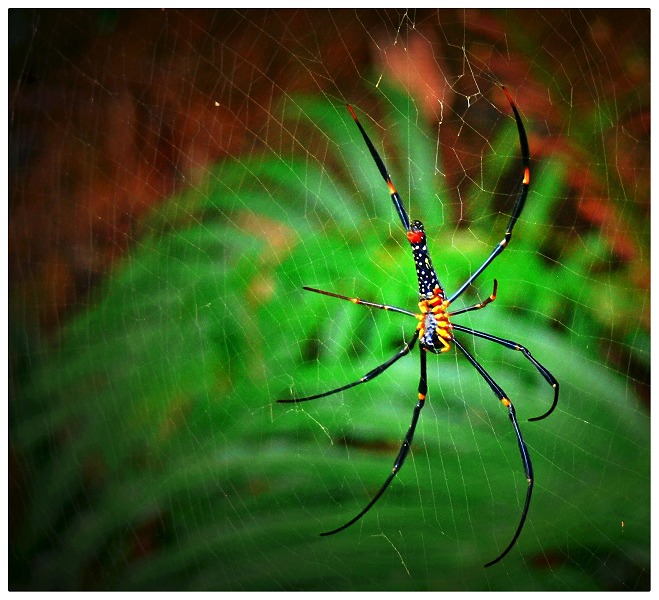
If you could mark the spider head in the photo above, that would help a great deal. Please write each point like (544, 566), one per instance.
(416, 233)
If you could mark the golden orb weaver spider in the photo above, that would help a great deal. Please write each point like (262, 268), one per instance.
(434, 331)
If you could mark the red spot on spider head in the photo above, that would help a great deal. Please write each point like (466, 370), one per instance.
(415, 237)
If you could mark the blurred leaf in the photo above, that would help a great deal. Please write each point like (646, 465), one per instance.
(159, 459)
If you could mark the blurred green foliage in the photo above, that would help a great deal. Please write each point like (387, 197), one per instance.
(154, 456)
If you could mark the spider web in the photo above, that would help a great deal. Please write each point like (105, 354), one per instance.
(177, 176)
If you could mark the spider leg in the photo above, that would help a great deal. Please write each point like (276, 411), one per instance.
(404, 449)
(370, 375)
(491, 298)
(549, 378)
(523, 450)
(362, 302)
(395, 198)
(519, 203)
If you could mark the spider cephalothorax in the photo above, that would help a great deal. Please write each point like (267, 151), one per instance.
(435, 331)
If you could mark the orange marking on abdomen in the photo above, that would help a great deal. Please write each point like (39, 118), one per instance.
(414, 237)
(527, 176)
(392, 189)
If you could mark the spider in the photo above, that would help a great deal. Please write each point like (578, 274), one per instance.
(435, 329)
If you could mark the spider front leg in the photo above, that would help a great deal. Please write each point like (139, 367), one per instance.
(519, 202)
(523, 450)
(395, 198)
(404, 449)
